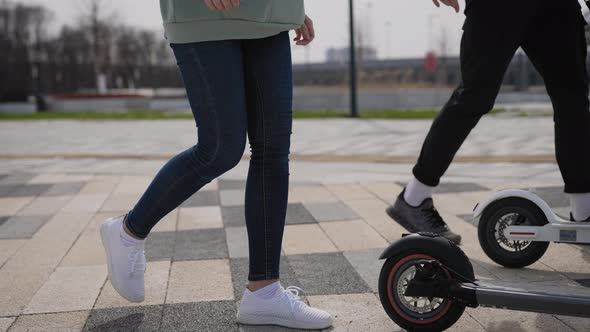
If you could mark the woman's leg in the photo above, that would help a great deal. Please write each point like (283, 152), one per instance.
(269, 94)
(220, 113)
(214, 81)
(269, 87)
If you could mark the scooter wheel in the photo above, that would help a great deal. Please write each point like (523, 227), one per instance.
(506, 212)
(421, 313)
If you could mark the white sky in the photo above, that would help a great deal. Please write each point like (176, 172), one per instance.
(408, 34)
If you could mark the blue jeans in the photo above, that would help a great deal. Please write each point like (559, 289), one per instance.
(235, 88)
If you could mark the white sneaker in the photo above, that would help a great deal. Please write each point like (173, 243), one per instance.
(126, 264)
(284, 309)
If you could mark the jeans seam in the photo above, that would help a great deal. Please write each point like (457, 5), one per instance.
(264, 214)
(218, 134)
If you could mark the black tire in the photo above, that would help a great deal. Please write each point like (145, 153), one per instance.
(440, 319)
(488, 241)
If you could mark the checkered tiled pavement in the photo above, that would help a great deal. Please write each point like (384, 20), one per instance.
(53, 277)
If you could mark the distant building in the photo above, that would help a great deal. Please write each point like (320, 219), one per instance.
(341, 55)
(520, 73)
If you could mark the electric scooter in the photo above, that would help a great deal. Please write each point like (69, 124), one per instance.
(515, 228)
(427, 281)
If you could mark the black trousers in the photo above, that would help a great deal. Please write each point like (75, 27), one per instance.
(552, 35)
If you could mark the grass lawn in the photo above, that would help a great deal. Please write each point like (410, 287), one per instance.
(160, 115)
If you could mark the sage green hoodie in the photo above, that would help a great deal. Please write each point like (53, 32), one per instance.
(187, 21)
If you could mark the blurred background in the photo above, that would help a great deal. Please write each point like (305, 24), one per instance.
(111, 56)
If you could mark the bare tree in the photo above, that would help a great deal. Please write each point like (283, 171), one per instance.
(98, 23)
(21, 40)
(33, 62)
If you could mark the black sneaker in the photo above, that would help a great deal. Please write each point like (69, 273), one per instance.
(424, 218)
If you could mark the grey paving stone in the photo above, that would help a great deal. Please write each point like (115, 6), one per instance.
(17, 178)
(6, 323)
(239, 274)
(468, 218)
(7, 190)
(200, 316)
(159, 246)
(202, 198)
(554, 196)
(575, 323)
(22, 227)
(232, 197)
(454, 187)
(328, 273)
(24, 190)
(62, 321)
(231, 184)
(200, 244)
(3, 220)
(446, 188)
(367, 264)
(237, 241)
(293, 184)
(298, 214)
(144, 318)
(65, 188)
(233, 216)
(331, 211)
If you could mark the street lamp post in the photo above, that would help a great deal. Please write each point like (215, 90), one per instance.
(353, 83)
(388, 38)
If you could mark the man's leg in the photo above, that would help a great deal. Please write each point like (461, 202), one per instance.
(493, 31)
(557, 47)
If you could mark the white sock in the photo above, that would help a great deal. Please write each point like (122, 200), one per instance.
(128, 240)
(417, 192)
(580, 206)
(268, 292)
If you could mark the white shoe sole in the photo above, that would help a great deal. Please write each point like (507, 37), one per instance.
(248, 319)
(107, 246)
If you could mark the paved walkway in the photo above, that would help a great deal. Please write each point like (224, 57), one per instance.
(52, 269)
(371, 139)
(53, 277)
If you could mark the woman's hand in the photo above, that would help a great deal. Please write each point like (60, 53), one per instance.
(451, 3)
(222, 4)
(306, 33)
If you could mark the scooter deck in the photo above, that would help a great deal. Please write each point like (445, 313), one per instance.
(565, 231)
(542, 297)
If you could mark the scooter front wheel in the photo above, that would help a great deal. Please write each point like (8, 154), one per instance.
(421, 313)
(511, 211)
